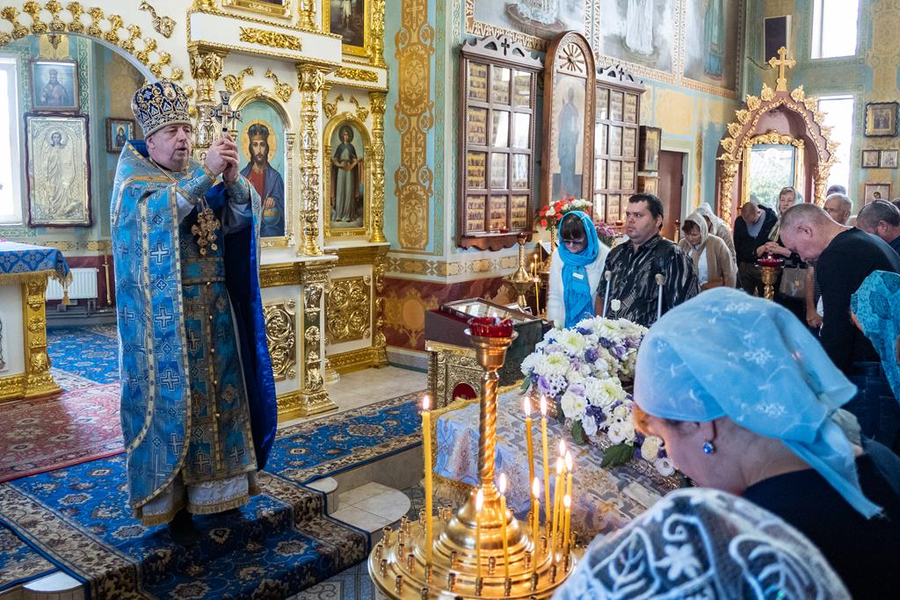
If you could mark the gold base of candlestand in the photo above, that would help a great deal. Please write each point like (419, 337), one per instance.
(397, 564)
(769, 277)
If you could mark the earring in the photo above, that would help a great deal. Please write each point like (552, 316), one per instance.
(708, 447)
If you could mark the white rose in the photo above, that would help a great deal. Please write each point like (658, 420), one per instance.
(590, 425)
(615, 304)
(664, 466)
(573, 405)
(621, 412)
(616, 432)
(650, 448)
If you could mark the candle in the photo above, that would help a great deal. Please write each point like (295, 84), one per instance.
(479, 503)
(567, 503)
(535, 524)
(559, 484)
(527, 405)
(660, 281)
(426, 435)
(547, 505)
(502, 486)
(607, 276)
(570, 469)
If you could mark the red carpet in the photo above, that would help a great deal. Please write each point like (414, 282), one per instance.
(46, 434)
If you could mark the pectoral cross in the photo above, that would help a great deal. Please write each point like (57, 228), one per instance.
(225, 115)
(781, 63)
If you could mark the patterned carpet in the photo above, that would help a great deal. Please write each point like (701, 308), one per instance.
(87, 353)
(51, 433)
(277, 546)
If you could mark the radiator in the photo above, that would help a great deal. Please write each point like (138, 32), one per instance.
(83, 286)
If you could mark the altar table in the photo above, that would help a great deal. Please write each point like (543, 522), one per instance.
(24, 364)
(604, 499)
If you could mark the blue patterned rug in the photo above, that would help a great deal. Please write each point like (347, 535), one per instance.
(281, 543)
(84, 354)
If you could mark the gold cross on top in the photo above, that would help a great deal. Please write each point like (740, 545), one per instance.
(781, 63)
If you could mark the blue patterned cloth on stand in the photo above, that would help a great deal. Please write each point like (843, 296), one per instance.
(16, 258)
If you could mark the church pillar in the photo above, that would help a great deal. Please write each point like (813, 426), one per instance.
(311, 80)
(378, 34)
(313, 395)
(377, 104)
(206, 67)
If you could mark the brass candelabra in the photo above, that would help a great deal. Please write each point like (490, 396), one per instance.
(521, 281)
(770, 269)
(481, 551)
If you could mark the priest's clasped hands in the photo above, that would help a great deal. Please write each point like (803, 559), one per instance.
(222, 158)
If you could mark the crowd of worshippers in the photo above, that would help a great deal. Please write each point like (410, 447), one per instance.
(791, 405)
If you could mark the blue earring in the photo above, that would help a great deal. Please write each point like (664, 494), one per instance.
(708, 448)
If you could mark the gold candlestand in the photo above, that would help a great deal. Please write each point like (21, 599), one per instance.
(521, 281)
(398, 564)
(769, 273)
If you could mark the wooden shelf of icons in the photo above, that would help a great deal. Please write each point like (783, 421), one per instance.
(498, 103)
(616, 138)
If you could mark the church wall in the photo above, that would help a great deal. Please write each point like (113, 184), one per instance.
(869, 76)
(691, 112)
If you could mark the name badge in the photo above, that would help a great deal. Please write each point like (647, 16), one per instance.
(577, 275)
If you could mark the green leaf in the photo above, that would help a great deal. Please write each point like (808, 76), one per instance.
(526, 383)
(578, 434)
(617, 455)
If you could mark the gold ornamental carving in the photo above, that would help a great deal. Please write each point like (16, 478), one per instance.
(379, 341)
(235, 83)
(377, 106)
(272, 39)
(362, 112)
(348, 309)
(162, 25)
(283, 90)
(276, 275)
(354, 360)
(311, 81)
(330, 108)
(378, 33)
(307, 12)
(106, 28)
(313, 395)
(781, 63)
(280, 327)
(414, 119)
(357, 74)
(281, 9)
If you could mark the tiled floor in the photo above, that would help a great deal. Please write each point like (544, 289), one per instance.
(360, 388)
(371, 506)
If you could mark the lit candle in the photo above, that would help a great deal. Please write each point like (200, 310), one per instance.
(479, 503)
(570, 469)
(535, 524)
(567, 503)
(559, 484)
(527, 405)
(502, 485)
(547, 505)
(426, 434)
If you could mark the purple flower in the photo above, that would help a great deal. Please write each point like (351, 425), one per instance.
(577, 389)
(605, 343)
(591, 355)
(583, 330)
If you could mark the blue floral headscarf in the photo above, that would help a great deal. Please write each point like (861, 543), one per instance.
(876, 305)
(728, 354)
(576, 287)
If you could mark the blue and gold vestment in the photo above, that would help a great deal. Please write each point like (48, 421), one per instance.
(198, 395)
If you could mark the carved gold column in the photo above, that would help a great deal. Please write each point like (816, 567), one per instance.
(729, 172)
(307, 19)
(379, 342)
(377, 104)
(206, 67)
(38, 381)
(311, 80)
(313, 395)
(378, 33)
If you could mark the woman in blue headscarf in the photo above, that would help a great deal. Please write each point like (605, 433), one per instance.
(576, 269)
(745, 400)
(876, 308)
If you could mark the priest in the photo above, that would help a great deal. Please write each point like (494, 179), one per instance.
(198, 395)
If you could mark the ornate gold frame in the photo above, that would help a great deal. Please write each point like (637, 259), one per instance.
(367, 50)
(239, 101)
(776, 138)
(367, 175)
(261, 8)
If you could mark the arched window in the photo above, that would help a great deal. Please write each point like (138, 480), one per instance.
(10, 170)
(835, 28)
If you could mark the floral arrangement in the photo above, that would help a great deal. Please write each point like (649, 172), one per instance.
(582, 368)
(550, 215)
(606, 234)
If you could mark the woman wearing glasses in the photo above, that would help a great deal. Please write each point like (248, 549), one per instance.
(576, 269)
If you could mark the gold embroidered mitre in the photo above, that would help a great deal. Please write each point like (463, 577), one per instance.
(157, 104)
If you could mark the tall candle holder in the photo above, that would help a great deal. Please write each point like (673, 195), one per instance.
(520, 280)
(535, 571)
(770, 268)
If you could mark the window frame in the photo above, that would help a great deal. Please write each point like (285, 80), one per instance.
(10, 64)
(817, 24)
(851, 167)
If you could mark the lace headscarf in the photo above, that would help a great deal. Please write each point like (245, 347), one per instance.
(728, 354)
(703, 543)
(876, 305)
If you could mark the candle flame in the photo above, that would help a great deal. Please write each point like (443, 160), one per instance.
(567, 501)
(536, 488)
(562, 447)
(479, 500)
(502, 484)
(543, 406)
(559, 465)
(526, 404)
(426, 403)
(569, 462)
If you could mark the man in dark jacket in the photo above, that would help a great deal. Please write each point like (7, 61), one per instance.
(751, 230)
